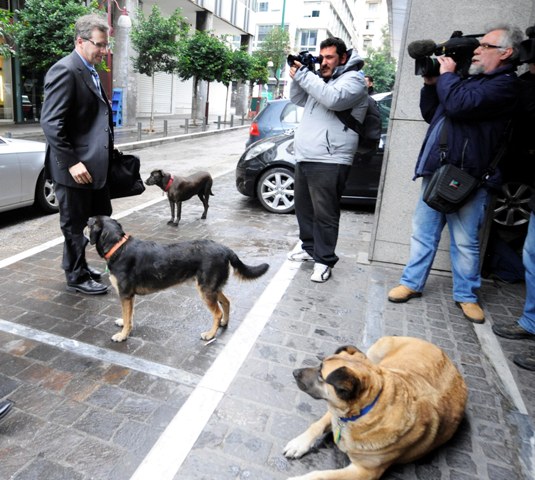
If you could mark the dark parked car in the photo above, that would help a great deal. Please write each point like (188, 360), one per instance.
(27, 108)
(275, 118)
(266, 168)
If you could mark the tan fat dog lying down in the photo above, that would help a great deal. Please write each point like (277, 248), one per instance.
(393, 405)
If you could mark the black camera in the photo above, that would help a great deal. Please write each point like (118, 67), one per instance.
(459, 47)
(306, 59)
(527, 47)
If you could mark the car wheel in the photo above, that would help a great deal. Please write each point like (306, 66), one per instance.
(511, 207)
(275, 190)
(45, 197)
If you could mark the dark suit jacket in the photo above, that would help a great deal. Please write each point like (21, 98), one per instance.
(77, 122)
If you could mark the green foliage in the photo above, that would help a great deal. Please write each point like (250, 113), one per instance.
(259, 71)
(157, 41)
(6, 34)
(204, 57)
(275, 48)
(44, 32)
(381, 66)
(240, 65)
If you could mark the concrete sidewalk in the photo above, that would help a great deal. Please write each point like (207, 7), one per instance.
(165, 405)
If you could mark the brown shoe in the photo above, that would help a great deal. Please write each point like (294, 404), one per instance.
(472, 311)
(401, 294)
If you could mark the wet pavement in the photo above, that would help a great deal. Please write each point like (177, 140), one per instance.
(166, 404)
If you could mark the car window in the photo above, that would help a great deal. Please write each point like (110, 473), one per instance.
(291, 113)
(385, 104)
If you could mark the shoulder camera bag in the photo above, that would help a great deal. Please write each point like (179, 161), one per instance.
(450, 187)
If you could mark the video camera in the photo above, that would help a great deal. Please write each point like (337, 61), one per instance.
(527, 47)
(306, 59)
(459, 47)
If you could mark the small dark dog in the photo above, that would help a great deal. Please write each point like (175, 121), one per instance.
(180, 189)
(138, 267)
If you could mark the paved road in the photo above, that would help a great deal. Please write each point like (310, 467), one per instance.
(25, 228)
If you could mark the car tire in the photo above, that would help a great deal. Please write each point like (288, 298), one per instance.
(275, 190)
(45, 198)
(511, 207)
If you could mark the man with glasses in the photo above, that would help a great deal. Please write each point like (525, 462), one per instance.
(78, 124)
(475, 113)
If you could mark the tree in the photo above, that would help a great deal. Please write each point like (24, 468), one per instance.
(259, 71)
(203, 57)
(7, 48)
(44, 31)
(238, 70)
(381, 65)
(157, 42)
(275, 48)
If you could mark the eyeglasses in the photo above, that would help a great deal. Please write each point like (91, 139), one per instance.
(486, 46)
(101, 46)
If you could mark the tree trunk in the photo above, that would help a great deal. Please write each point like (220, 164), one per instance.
(151, 122)
(226, 103)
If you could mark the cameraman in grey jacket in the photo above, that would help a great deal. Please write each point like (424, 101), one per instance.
(324, 149)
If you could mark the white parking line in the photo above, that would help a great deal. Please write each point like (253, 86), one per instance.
(117, 358)
(171, 449)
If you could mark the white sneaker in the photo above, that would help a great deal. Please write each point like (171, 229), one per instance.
(300, 256)
(321, 273)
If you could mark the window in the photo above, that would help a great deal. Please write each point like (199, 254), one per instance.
(263, 30)
(373, 7)
(308, 40)
(369, 24)
(291, 114)
(315, 13)
(367, 43)
(263, 6)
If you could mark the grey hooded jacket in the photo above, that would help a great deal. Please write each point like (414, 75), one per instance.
(321, 136)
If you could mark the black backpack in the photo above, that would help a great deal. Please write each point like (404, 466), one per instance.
(369, 130)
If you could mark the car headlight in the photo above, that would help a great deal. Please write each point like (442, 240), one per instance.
(258, 149)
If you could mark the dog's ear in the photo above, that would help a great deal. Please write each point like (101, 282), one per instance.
(350, 349)
(95, 228)
(346, 385)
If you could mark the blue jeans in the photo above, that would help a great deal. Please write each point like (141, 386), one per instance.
(318, 189)
(527, 320)
(464, 226)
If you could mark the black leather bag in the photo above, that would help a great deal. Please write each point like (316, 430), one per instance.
(124, 179)
(449, 188)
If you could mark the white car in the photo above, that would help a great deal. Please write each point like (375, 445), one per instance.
(22, 176)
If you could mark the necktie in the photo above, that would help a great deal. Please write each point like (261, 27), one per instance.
(96, 80)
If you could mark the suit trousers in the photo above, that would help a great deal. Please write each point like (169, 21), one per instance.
(318, 189)
(76, 205)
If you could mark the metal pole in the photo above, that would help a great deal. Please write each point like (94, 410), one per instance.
(139, 127)
(231, 120)
(219, 122)
(186, 125)
(165, 128)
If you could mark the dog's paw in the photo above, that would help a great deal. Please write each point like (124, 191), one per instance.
(119, 322)
(119, 337)
(172, 223)
(203, 217)
(297, 447)
(207, 335)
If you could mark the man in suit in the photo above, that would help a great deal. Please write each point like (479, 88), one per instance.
(78, 125)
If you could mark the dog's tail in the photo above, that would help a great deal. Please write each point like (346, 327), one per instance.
(246, 272)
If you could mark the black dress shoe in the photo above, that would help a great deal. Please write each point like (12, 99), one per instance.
(5, 407)
(89, 287)
(94, 273)
(525, 360)
(512, 331)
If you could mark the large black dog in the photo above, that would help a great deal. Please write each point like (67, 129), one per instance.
(180, 189)
(140, 267)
